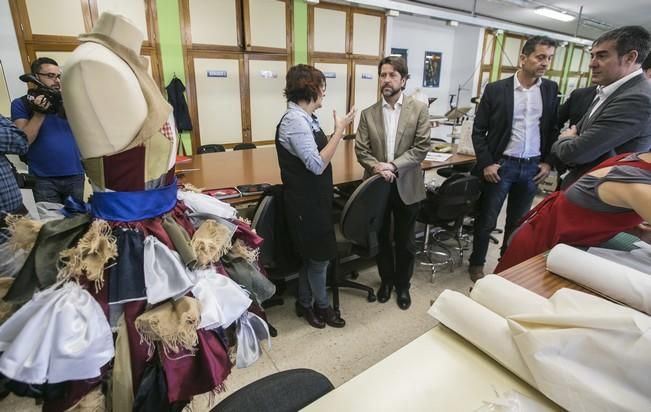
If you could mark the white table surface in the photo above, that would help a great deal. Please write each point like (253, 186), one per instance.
(438, 371)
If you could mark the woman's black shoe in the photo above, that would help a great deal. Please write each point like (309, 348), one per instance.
(310, 317)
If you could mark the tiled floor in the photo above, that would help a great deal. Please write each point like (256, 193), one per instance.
(373, 331)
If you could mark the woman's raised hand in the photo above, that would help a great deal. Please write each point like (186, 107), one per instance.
(341, 123)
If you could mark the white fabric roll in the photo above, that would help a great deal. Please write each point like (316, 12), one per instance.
(59, 335)
(483, 328)
(506, 298)
(201, 203)
(619, 282)
(587, 354)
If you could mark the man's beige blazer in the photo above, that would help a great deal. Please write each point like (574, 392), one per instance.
(412, 144)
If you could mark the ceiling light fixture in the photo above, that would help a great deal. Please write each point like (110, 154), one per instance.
(553, 14)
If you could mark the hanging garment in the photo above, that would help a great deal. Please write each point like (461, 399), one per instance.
(176, 98)
(250, 330)
(222, 300)
(201, 203)
(126, 278)
(165, 275)
(59, 335)
(249, 276)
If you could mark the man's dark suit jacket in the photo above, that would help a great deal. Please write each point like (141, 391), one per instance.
(491, 131)
(621, 124)
(576, 105)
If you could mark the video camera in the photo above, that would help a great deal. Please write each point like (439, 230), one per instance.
(53, 96)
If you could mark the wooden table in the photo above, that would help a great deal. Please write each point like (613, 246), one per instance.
(243, 167)
(532, 274)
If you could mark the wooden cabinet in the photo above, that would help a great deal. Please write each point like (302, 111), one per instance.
(346, 43)
(237, 53)
(50, 28)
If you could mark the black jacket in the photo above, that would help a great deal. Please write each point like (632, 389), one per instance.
(176, 98)
(576, 105)
(491, 131)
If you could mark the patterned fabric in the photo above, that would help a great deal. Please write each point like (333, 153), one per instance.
(12, 141)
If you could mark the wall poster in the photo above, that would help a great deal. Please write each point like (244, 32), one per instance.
(432, 69)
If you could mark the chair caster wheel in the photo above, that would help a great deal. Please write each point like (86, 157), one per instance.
(371, 297)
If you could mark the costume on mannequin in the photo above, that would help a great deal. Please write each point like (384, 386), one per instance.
(141, 260)
(558, 219)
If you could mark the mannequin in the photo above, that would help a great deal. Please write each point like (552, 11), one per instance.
(108, 125)
(145, 256)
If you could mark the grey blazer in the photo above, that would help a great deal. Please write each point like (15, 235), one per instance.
(412, 144)
(621, 124)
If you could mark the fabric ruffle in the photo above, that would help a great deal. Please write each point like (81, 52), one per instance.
(59, 335)
(222, 300)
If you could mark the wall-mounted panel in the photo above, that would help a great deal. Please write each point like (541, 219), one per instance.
(366, 34)
(133, 10)
(214, 22)
(55, 18)
(268, 26)
(218, 100)
(336, 93)
(266, 84)
(329, 30)
(365, 84)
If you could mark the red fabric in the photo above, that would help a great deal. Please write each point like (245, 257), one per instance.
(557, 220)
(188, 375)
(125, 171)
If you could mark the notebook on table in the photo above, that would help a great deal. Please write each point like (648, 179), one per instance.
(249, 190)
(223, 193)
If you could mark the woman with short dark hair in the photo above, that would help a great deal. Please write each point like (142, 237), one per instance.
(304, 154)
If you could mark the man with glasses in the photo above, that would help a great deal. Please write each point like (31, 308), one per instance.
(53, 157)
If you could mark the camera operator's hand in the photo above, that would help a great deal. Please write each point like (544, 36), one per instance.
(42, 102)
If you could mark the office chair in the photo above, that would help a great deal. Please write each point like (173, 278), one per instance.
(455, 169)
(277, 255)
(210, 148)
(244, 146)
(357, 232)
(286, 391)
(445, 209)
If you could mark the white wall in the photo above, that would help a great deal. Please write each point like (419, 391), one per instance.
(10, 54)
(465, 66)
(459, 48)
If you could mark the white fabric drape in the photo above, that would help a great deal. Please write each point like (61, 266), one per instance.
(59, 335)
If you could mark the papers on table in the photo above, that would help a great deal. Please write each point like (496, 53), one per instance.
(581, 351)
(437, 157)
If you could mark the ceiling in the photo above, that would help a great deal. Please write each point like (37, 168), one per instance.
(613, 13)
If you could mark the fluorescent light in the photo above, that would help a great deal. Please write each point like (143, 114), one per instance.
(553, 14)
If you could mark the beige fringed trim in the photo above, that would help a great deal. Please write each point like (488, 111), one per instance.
(93, 401)
(210, 242)
(6, 309)
(239, 249)
(173, 324)
(23, 232)
(91, 254)
(245, 220)
(189, 187)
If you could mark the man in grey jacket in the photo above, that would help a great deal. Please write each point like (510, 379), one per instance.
(619, 118)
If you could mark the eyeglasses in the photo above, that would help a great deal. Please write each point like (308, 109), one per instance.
(51, 76)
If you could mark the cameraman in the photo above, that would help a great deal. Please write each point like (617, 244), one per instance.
(12, 141)
(53, 157)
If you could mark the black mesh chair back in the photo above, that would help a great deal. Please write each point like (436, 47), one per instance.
(455, 198)
(286, 391)
(363, 213)
(210, 148)
(277, 253)
(244, 146)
